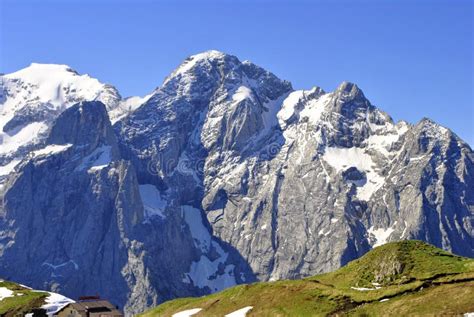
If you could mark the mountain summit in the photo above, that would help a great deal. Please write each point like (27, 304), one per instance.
(223, 175)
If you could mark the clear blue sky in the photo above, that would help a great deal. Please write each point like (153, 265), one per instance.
(412, 58)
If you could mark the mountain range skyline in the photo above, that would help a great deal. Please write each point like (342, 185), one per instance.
(134, 100)
(419, 68)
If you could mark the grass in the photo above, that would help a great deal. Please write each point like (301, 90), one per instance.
(447, 300)
(23, 300)
(416, 278)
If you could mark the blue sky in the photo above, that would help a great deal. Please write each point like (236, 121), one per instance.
(413, 58)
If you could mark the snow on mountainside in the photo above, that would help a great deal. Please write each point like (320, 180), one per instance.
(223, 175)
(21, 300)
(31, 98)
(286, 161)
(52, 84)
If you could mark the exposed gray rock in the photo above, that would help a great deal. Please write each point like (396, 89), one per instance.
(74, 220)
(278, 187)
(226, 175)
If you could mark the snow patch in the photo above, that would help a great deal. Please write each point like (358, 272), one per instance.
(27, 134)
(380, 235)
(205, 272)
(41, 92)
(152, 202)
(343, 158)
(315, 108)
(374, 182)
(270, 117)
(187, 313)
(55, 302)
(382, 143)
(5, 292)
(288, 107)
(417, 158)
(364, 289)
(322, 233)
(241, 312)
(8, 168)
(51, 82)
(97, 160)
(242, 93)
(52, 149)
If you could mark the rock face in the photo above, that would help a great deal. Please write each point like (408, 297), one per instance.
(225, 175)
(76, 220)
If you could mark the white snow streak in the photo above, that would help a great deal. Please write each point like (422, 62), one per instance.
(5, 292)
(97, 160)
(187, 313)
(364, 289)
(55, 302)
(241, 312)
(52, 149)
(380, 235)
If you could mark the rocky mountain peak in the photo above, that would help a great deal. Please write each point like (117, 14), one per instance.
(349, 90)
(199, 65)
(208, 71)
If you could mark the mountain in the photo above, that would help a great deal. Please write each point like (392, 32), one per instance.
(31, 98)
(223, 175)
(298, 181)
(397, 279)
(75, 220)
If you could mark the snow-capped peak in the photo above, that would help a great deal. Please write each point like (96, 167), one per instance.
(210, 54)
(32, 72)
(52, 83)
(190, 63)
(30, 100)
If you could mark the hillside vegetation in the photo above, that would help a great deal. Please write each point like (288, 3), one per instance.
(396, 279)
(17, 300)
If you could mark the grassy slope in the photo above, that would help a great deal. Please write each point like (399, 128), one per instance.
(415, 277)
(23, 301)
